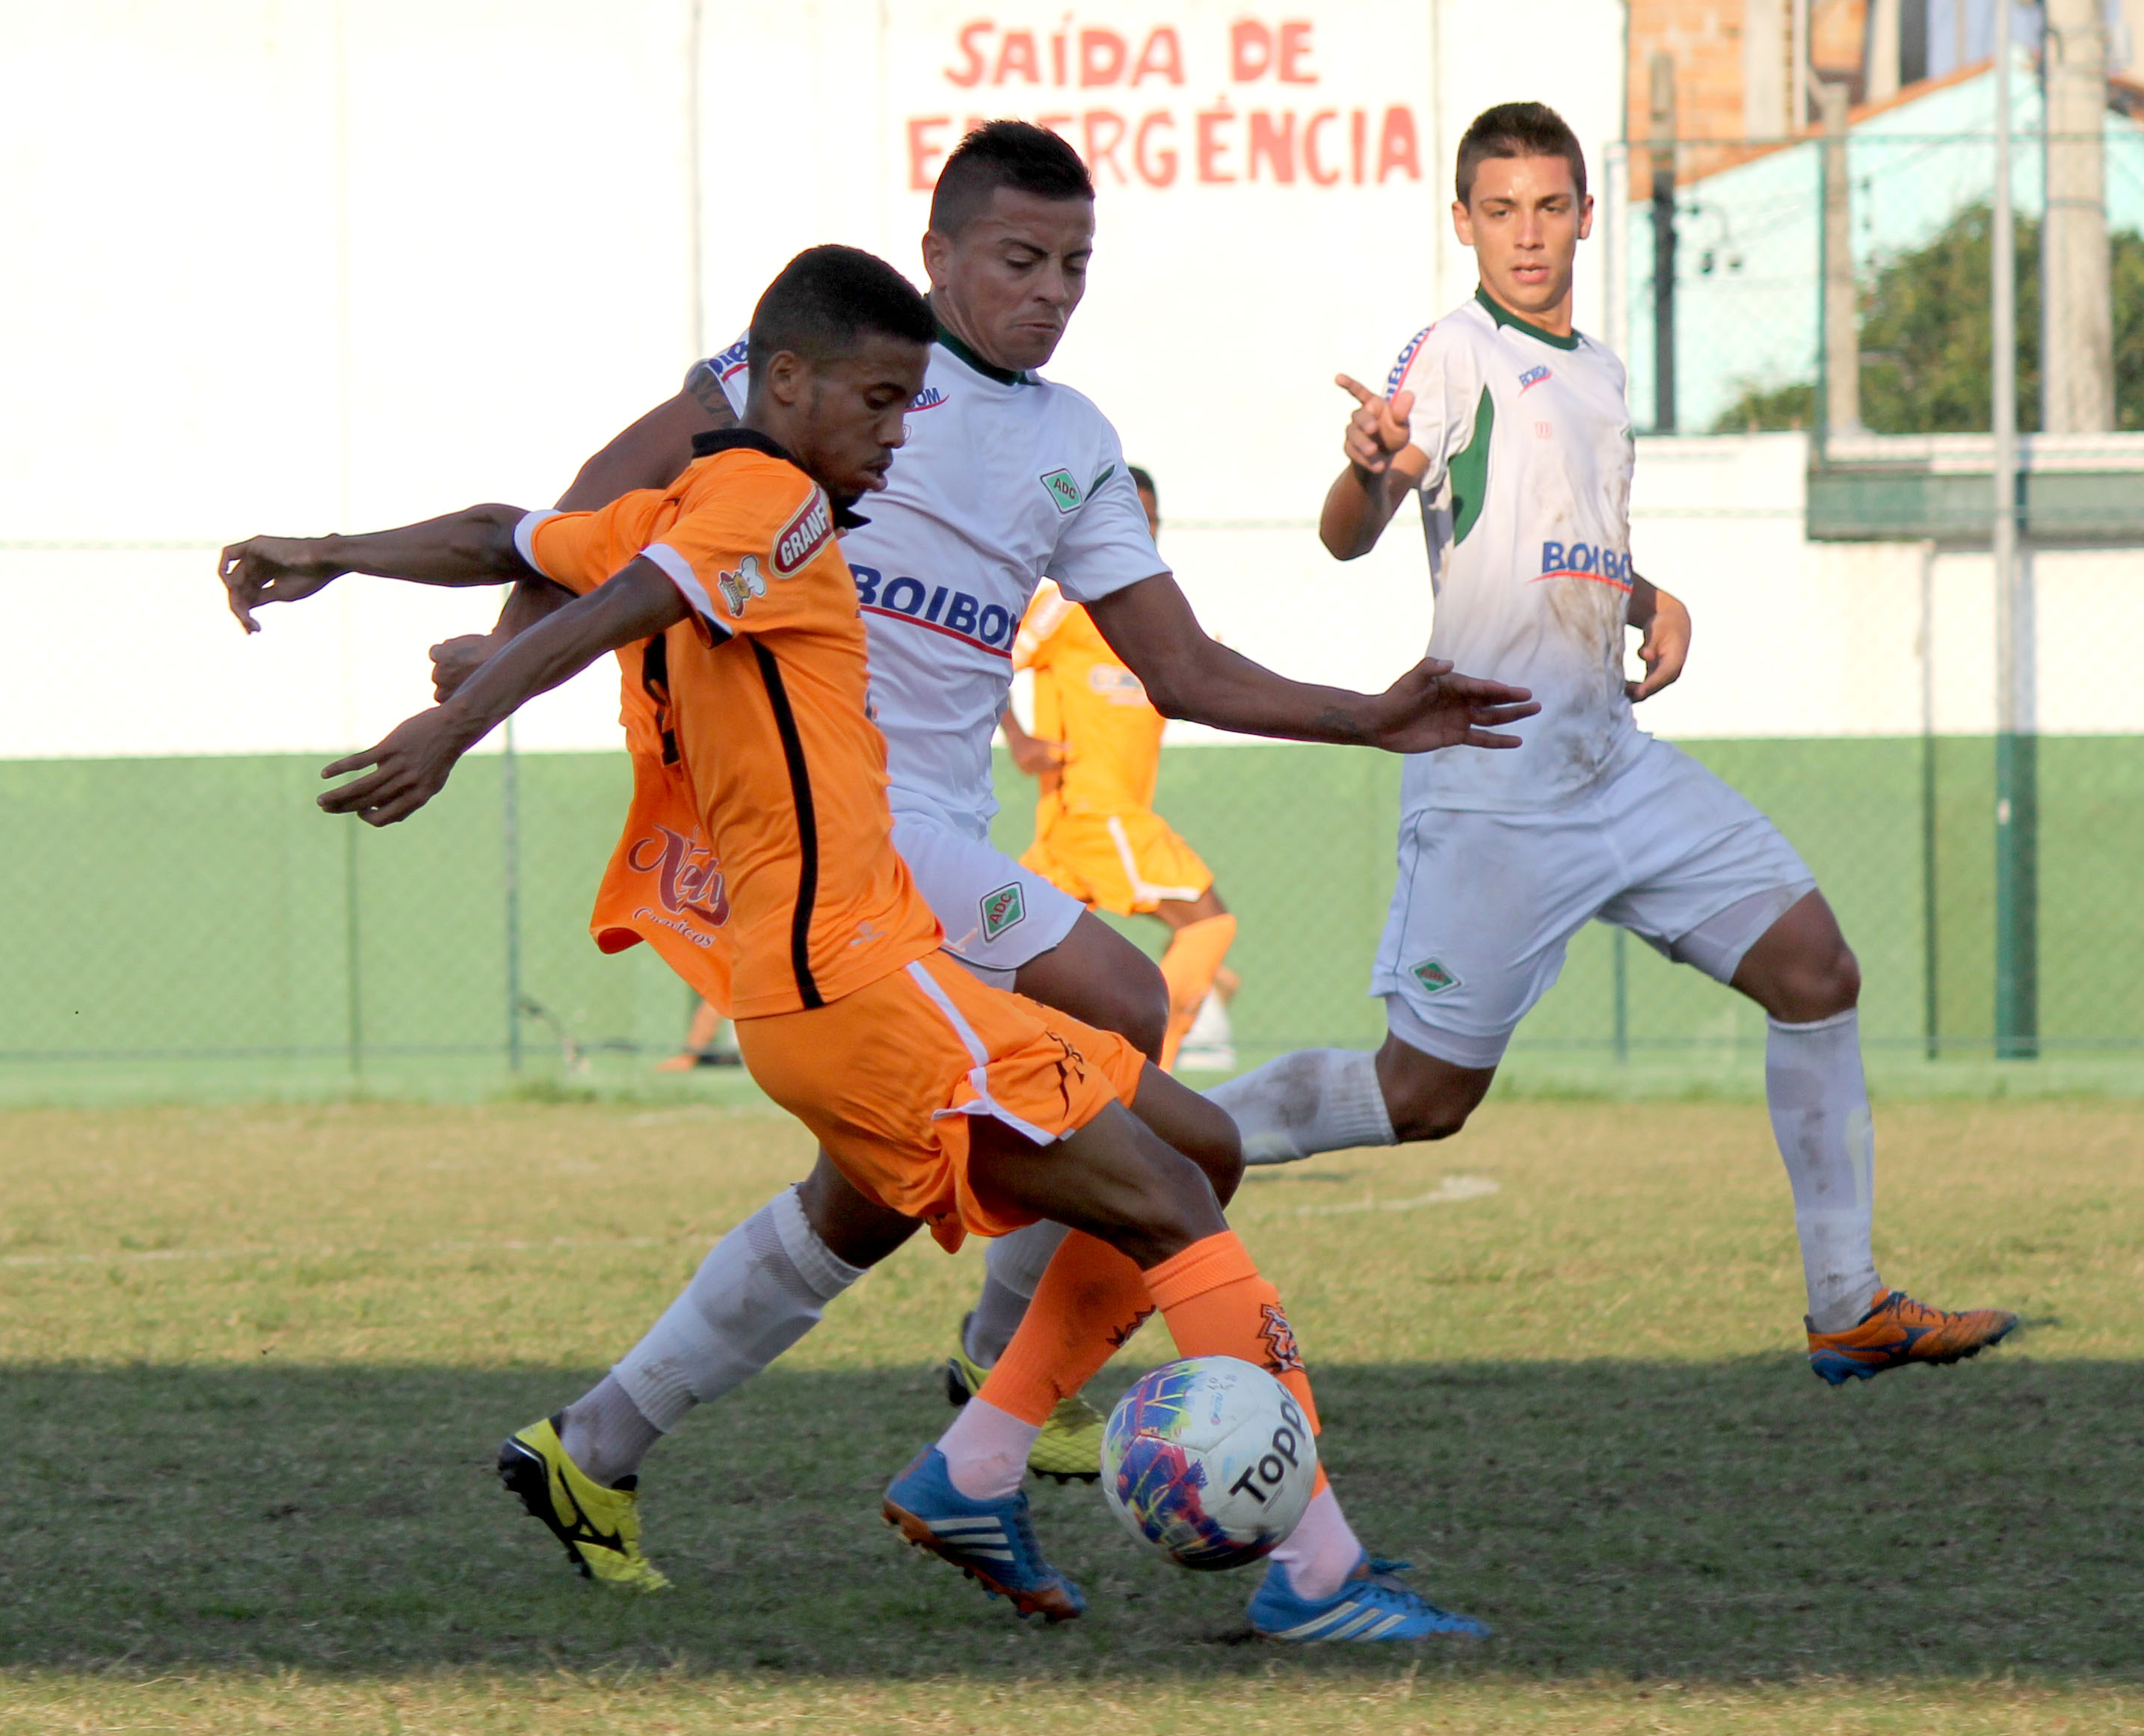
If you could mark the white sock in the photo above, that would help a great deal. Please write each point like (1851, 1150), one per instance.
(1819, 1104)
(986, 1451)
(1314, 1100)
(1322, 1550)
(1015, 1265)
(604, 1432)
(761, 1288)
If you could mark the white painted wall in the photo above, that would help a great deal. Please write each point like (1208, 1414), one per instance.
(296, 265)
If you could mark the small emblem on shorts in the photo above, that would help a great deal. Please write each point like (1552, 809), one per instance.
(1001, 911)
(1434, 977)
(1063, 490)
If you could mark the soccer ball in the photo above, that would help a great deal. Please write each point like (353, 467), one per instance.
(1210, 1462)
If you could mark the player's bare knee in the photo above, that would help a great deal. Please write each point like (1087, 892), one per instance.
(1216, 1148)
(1142, 1019)
(856, 1230)
(1435, 1116)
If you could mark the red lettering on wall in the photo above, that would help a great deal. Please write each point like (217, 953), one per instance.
(1273, 142)
(1359, 130)
(1211, 144)
(924, 151)
(972, 73)
(1159, 170)
(1396, 148)
(1250, 51)
(1105, 131)
(1160, 57)
(1313, 165)
(1294, 50)
(1102, 56)
(1057, 60)
(1016, 54)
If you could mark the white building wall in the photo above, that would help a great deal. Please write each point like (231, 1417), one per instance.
(298, 266)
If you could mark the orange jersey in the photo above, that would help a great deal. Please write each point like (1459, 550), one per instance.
(767, 694)
(1087, 700)
(664, 884)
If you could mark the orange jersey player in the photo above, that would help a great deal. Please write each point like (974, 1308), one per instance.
(971, 1108)
(1096, 749)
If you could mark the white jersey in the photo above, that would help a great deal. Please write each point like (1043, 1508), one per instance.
(1525, 508)
(1005, 479)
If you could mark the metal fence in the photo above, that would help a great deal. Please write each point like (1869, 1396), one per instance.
(190, 924)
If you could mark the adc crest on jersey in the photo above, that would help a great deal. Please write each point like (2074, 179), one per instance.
(740, 586)
(1001, 909)
(1063, 490)
(803, 536)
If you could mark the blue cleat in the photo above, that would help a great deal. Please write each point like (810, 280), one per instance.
(1374, 1605)
(992, 1542)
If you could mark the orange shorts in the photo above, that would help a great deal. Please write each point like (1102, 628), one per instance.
(887, 1078)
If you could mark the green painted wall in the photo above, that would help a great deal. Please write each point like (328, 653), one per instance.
(203, 907)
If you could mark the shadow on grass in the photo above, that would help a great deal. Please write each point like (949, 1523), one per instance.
(1724, 1521)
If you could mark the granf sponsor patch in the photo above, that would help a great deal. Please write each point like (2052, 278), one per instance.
(1001, 909)
(803, 536)
(1281, 1352)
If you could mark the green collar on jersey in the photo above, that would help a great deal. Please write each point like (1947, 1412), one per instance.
(1504, 317)
(1003, 376)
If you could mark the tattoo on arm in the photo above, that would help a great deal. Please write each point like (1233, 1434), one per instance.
(706, 387)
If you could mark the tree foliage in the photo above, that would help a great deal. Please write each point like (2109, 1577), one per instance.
(1927, 342)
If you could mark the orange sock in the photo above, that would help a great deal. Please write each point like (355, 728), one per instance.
(1216, 1305)
(1090, 1300)
(1194, 954)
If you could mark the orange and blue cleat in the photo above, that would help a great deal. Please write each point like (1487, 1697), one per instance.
(1896, 1331)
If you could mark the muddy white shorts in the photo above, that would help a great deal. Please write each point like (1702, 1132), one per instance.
(996, 914)
(1486, 903)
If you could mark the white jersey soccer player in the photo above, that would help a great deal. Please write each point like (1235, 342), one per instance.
(1514, 431)
(1007, 479)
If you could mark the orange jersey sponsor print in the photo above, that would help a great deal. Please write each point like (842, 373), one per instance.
(664, 884)
(766, 694)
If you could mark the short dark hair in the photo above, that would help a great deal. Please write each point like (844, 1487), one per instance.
(826, 298)
(1516, 129)
(1141, 480)
(1005, 154)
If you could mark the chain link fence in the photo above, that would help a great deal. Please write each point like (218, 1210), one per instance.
(189, 926)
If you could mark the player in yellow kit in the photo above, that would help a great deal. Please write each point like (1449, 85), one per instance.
(1096, 748)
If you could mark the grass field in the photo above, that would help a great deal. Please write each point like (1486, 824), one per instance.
(254, 1363)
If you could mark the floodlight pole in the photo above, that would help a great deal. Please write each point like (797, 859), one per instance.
(2017, 787)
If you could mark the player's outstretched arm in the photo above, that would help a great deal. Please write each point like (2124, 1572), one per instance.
(473, 546)
(652, 452)
(1383, 468)
(1187, 674)
(410, 765)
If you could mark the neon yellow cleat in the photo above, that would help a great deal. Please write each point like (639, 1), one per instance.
(600, 1527)
(1070, 1443)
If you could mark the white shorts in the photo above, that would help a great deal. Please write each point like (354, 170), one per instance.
(1486, 903)
(996, 914)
